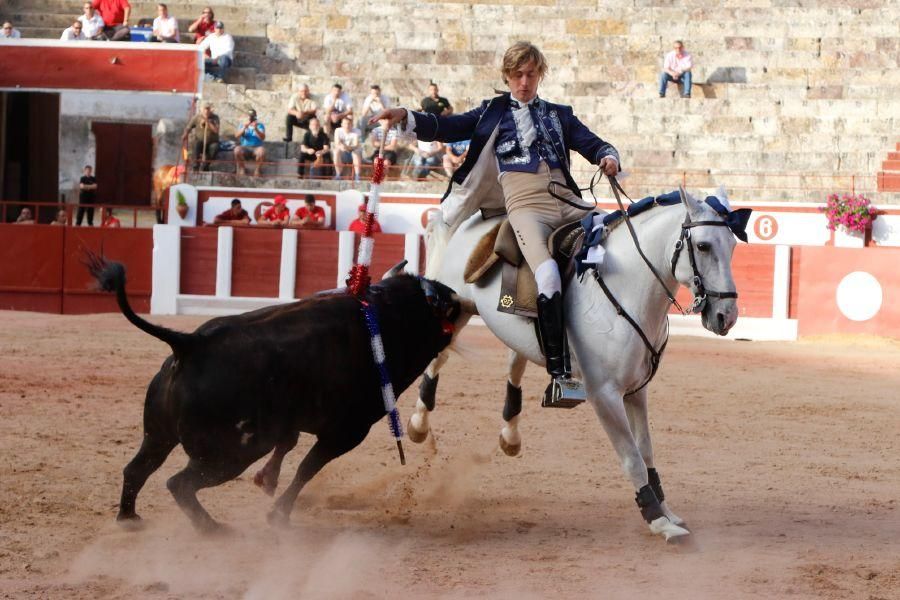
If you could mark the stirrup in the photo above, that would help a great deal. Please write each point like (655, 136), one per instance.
(563, 392)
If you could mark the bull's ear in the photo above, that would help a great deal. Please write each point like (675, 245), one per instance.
(395, 270)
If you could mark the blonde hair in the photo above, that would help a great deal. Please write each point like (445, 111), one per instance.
(518, 55)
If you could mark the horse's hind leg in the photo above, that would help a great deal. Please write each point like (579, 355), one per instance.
(510, 439)
(636, 409)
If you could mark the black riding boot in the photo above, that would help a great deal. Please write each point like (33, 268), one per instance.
(563, 391)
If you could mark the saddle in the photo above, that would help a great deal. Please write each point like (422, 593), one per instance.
(518, 290)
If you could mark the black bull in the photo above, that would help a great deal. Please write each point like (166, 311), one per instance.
(242, 385)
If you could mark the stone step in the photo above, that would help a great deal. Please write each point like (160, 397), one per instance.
(58, 22)
(891, 165)
(889, 182)
(894, 155)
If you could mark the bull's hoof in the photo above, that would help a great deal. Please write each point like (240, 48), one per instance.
(414, 435)
(129, 521)
(213, 528)
(669, 530)
(509, 449)
(265, 483)
(277, 518)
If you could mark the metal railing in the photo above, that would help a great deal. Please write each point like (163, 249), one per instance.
(44, 213)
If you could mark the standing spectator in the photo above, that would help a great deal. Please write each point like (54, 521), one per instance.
(87, 195)
(455, 156)
(61, 218)
(278, 214)
(309, 216)
(235, 214)
(115, 15)
(73, 32)
(347, 149)
(316, 149)
(677, 66)
(165, 28)
(358, 225)
(110, 220)
(10, 32)
(204, 25)
(221, 52)
(428, 154)
(300, 109)
(25, 217)
(251, 135)
(91, 23)
(436, 104)
(374, 103)
(205, 126)
(390, 147)
(337, 106)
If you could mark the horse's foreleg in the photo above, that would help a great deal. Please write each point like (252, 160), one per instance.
(611, 410)
(418, 426)
(510, 439)
(636, 409)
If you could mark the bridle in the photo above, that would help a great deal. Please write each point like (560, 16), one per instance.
(700, 291)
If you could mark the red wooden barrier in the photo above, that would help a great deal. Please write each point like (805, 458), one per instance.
(31, 267)
(316, 262)
(199, 247)
(256, 262)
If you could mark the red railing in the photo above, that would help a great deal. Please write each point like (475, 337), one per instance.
(141, 216)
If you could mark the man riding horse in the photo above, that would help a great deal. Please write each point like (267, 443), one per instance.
(519, 160)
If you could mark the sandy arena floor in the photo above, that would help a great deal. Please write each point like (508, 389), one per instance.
(783, 458)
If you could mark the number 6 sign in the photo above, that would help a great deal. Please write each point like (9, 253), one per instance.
(766, 227)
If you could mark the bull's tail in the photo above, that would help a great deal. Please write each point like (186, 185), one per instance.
(110, 277)
(437, 235)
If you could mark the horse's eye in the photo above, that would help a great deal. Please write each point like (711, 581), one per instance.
(704, 246)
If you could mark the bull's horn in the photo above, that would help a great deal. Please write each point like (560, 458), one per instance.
(396, 269)
(467, 306)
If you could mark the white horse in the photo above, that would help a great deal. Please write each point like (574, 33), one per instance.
(609, 356)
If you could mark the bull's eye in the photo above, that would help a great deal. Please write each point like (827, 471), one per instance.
(704, 246)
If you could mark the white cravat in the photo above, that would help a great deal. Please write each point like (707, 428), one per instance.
(524, 123)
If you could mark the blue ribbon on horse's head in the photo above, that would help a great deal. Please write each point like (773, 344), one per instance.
(735, 219)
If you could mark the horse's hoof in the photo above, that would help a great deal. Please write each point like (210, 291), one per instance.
(509, 449)
(262, 482)
(669, 530)
(672, 516)
(415, 436)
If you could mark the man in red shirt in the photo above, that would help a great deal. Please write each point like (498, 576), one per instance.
(109, 220)
(278, 214)
(359, 224)
(309, 216)
(235, 214)
(115, 15)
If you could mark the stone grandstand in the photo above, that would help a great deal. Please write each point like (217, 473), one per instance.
(792, 99)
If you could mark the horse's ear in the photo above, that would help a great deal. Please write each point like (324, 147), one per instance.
(722, 197)
(690, 203)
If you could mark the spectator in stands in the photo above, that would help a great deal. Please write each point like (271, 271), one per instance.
(87, 195)
(428, 154)
(91, 23)
(309, 216)
(235, 214)
(337, 106)
(25, 217)
(347, 149)
(115, 15)
(110, 220)
(205, 126)
(300, 109)
(9, 32)
(315, 148)
(165, 27)
(436, 104)
(251, 135)
(73, 32)
(374, 103)
(358, 225)
(278, 214)
(221, 52)
(677, 66)
(455, 156)
(61, 218)
(204, 25)
(390, 147)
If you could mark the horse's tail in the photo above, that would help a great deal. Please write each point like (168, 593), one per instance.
(437, 235)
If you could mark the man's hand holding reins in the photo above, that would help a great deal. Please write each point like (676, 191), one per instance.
(609, 166)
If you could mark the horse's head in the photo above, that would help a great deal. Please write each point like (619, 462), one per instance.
(702, 259)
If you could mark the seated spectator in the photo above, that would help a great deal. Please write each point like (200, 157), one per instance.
(347, 149)
(203, 26)
(455, 156)
(235, 214)
(436, 104)
(221, 52)
(205, 127)
(87, 195)
(9, 32)
(337, 106)
(428, 154)
(390, 147)
(61, 218)
(25, 217)
(110, 220)
(165, 28)
(300, 109)
(358, 225)
(315, 148)
(73, 32)
(677, 66)
(251, 135)
(374, 103)
(115, 15)
(92, 23)
(309, 216)
(277, 214)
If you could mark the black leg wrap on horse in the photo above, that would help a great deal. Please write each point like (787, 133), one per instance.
(653, 476)
(649, 504)
(513, 405)
(428, 390)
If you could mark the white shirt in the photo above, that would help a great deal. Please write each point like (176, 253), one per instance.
(524, 124)
(91, 27)
(69, 34)
(166, 27)
(349, 139)
(13, 35)
(375, 104)
(219, 45)
(679, 64)
(340, 104)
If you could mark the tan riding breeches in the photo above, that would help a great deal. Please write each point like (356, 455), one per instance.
(534, 213)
